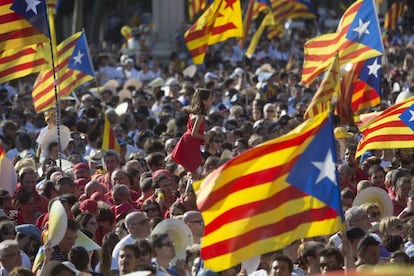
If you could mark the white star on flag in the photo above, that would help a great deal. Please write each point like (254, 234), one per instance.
(412, 116)
(373, 68)
(78, 58)
(362, 28)
(326, 168)
(31, 5)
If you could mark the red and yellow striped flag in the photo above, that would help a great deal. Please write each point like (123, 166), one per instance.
(358, 38)
(393, 129)
(109, 140)
(22, 62)
(221, 20)
(195, 7)
(393, 14)
(21, 24)
(253, 204)
(327, 91)
(69, 79)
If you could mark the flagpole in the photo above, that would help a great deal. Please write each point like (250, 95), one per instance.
(55, 64)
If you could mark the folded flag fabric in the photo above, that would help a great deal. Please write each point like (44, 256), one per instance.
(392, 129)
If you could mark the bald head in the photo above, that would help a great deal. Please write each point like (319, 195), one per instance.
(137, 225)
(94, 186)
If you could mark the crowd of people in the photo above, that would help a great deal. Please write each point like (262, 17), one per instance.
(175, 123)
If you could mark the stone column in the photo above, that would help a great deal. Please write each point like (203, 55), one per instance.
(168, 16)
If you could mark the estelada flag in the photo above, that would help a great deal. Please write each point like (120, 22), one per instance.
(271, 195)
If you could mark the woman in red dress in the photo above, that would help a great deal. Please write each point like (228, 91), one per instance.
(187, 151)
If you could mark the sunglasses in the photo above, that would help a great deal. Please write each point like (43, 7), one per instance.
(198, 222)
(150, 209)
(169, 244)
(374, 214)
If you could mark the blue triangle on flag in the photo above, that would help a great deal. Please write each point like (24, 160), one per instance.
(371, 73)
(408, 117)
(364, 27)
(318, 175)
(34, 11)
(80, 59)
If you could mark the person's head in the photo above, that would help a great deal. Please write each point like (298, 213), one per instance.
(7, 230)
(70, 237)
(163, 180)
(281, 266)
(6, 202)
(195, 222)
(308, 253)
(357, 217)
(393, 243)
(363, 184)
(133, 255)
(10, 255)
(79, 257)
(163, 246)
(346, 175)
(347, 197)
(391, 225)
(112, 160)
(120, 176)
(201, 101)
(151, 208)
(137, 225)
(402, 188)
(377, 176)
(65, 185)
(87, 221)
(373, 211)
(25, 202)
(120, 194)
(368, 251)
(155, 161)
(331, 259)
(399, 258)
(28, 237)
(27, 179)
(81, 170)
(177, 209)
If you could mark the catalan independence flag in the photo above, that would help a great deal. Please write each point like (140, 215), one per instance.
(304, 9)
(22, 23)
(221, 20)
(268, 20)
(109, 140)
(361, 89)
(195, 7)
(283, 10)
(357, 38)
(393, 129)
(257, 202)
(393, 14)
(74, 69)
(327, 91)
(23, 61)
(367, 86)
(253, 10)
